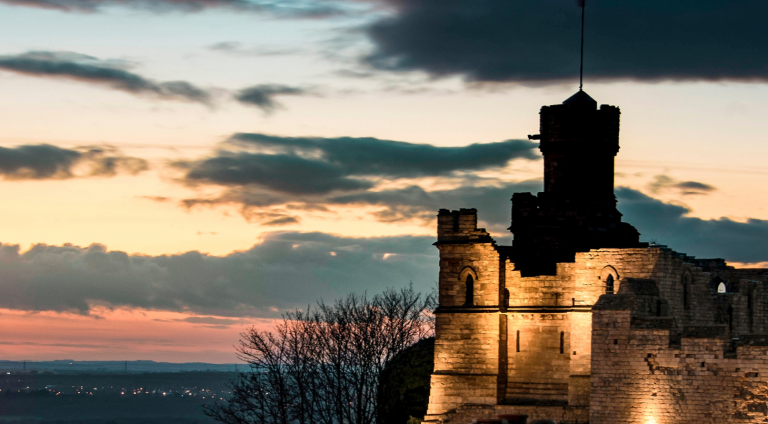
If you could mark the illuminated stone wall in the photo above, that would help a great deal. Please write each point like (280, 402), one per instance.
(535, 345)
(641, 373)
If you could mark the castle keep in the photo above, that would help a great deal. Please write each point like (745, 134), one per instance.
(580, 322)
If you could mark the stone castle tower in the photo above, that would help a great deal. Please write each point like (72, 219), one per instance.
(579, 322)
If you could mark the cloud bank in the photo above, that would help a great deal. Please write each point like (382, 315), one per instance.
(289, 270)
(709, 238)
(285, 270)
(535, 42)
(315, 165)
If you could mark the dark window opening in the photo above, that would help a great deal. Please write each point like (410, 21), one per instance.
(562, 342)
(517, 341)
(609, 284)
(615, 341)
(470, 295)
(687, 291)
(750, 307)
(730, 318)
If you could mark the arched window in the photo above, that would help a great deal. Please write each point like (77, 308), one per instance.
(721, 288)
(470, 299)
(610, 279)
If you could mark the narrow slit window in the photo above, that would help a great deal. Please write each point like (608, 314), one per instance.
(517, 341)
(687, 291)
(609, 284)
(470, 299)
(562, 342)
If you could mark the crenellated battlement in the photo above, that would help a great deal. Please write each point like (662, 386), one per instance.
(460, 227)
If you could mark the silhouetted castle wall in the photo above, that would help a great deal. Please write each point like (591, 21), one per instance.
(579, 322)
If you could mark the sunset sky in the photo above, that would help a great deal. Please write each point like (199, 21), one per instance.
(174, 171)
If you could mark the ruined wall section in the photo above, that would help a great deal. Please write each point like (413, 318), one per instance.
(549, 321)
(639, 376)
(745, 295)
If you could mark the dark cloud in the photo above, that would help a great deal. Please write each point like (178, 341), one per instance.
(283, 9)
(664, 182)
(491, 201)
(314, 165)
(88, 69)
(538, 41)
(281, 173)
(285, 270)
(372, 156)
(286, 220)
(663, 222)
(264, 96)
(712, 238)
(44, 161)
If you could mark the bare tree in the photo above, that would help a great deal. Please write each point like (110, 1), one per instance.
(323, 365)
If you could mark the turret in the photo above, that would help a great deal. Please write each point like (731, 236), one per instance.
(579, 143)
(577, 210)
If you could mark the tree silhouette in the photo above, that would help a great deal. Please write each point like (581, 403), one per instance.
(323, 365)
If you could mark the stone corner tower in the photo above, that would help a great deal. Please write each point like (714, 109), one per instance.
(577, 210)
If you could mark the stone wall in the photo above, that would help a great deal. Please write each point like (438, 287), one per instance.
(640, 374)
(531, 344)
(539, 361)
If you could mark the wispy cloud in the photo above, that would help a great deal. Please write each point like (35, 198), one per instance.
(299, 9)
(264, 96)
(665, 182)
(239, 49)
(91, 70)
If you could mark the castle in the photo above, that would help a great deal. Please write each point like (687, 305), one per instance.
(580, 322)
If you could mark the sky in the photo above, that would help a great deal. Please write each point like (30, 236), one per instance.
(176, 171)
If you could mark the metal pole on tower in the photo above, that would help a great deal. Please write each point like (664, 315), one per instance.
(583, 4)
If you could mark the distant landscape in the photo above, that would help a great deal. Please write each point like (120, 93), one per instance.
(78, 392)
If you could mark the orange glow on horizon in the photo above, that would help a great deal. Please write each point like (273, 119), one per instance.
(122, 334)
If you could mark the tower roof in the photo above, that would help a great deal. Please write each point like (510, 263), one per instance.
(581, 99)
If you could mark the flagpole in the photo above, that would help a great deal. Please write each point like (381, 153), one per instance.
(581, 68)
